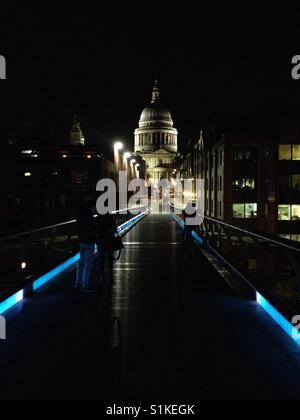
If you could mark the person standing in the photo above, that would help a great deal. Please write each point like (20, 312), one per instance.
(107, 232)
(87, 232)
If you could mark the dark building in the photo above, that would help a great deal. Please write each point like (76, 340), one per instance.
(251, 180)
(44, 185)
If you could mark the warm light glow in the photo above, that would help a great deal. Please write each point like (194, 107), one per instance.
(133, 161)
(27, 174)
(26, 152)
(64, 156)
(127, 156)
(118, 146)
(23, 265)
(89, 156)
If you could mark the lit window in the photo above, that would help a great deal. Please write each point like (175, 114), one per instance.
(238, 211)
(285, 152)
(296, 152)
(284, 212)
(27, 174)
(245, 211)
(26, 152)
(291, 237)
(250, 211)
(296, 212)
(244, 184)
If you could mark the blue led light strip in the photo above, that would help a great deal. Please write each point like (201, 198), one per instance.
(278, 318)
(11, 302)
(271, 311)
(46, 278)
(181, 224)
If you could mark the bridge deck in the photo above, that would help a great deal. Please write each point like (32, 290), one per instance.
(169, 328)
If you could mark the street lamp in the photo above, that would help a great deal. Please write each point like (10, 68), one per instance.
(118, 146)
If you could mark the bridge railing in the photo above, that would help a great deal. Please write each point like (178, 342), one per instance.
(27, 256)
(270, 266)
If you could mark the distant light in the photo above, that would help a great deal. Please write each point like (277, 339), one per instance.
(27, 174)
(118, 146)
(26, 152)
(127, 156)
(89, 156)
(64, 156)
(35, 156)
(23, 265)
(54, 173)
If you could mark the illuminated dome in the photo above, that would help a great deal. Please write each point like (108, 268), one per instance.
(156, 115)
(156, 129)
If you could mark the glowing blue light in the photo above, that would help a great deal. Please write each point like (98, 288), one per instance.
(40, 282)
(37, 284)
(278, 318)
(11, 301)
(129, 223)
(182, 225)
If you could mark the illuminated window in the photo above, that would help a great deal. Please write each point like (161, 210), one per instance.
(250, 211)
(285, 152)
(289, 152)
(296, 152)
(284, 212)
(287, 212)
(296, 212)
(245, 211)
(239, 211)
(27, 174)
(242, 184)
(291, 237)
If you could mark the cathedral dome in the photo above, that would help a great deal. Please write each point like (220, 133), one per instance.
(156, 131)
(156, 114)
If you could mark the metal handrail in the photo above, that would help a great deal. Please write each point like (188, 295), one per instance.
(273, 241)
(21, 235)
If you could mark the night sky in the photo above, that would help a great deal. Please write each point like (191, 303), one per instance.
(100, 62)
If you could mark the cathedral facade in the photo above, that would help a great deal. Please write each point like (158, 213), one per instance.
(156, 139)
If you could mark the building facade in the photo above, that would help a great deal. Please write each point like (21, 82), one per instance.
(156, 139)
(48, 184)
(252, 181)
